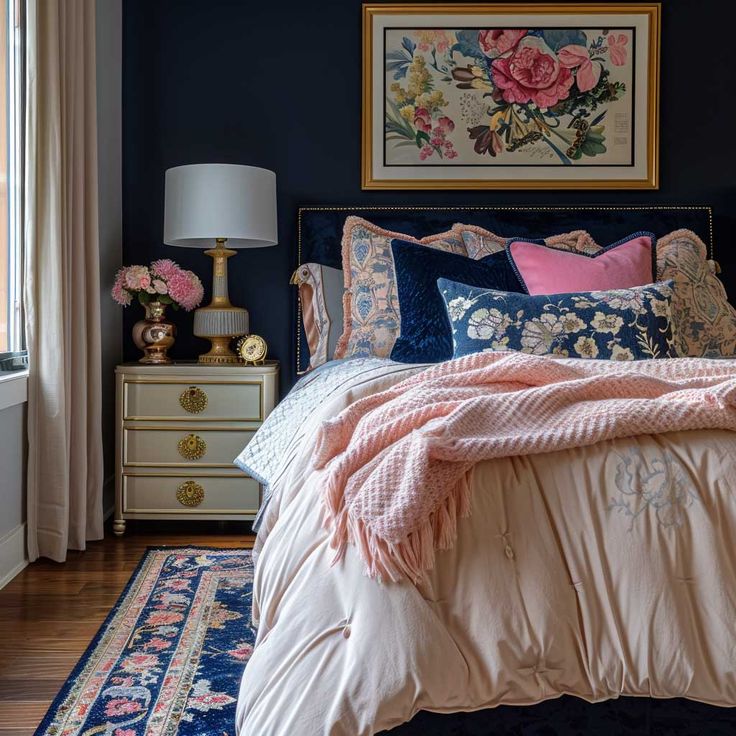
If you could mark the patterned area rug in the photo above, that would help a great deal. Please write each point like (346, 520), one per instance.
(169, 658)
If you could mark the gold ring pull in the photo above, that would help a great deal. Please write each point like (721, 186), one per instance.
(192, 447)
(190, 494)
(193, 400)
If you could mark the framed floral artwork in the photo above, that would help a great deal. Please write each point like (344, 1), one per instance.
(510, 96)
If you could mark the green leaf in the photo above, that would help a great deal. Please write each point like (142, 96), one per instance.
(592, 148)
(144, 297)
(421, 136)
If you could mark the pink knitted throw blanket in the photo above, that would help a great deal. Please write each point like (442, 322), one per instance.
(398, 462)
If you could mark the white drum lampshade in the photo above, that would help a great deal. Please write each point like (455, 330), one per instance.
(234, 206)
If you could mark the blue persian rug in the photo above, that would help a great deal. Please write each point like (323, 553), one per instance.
(169, 657)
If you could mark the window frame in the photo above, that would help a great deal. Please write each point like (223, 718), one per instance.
(15, 358)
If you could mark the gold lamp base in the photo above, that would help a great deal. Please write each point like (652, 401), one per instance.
(219, 322)
(219, 352)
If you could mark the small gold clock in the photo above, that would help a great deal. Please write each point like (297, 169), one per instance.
(252, 349)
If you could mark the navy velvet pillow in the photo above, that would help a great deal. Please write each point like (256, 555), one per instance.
(425, 334)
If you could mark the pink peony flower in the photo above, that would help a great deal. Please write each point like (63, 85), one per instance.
(186, 290)
(137, 278)
(119, 293)
(165, 268)
(532, 73)
(121, 707)
(160, 286)
(496, 42)
(573, 56)
(617, 49)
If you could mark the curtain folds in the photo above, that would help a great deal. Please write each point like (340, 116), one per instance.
(62, 290)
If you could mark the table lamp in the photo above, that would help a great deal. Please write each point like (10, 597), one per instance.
(234, 206)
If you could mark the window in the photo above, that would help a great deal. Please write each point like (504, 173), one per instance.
(12, 355)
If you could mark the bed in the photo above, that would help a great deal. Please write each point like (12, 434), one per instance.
(556, 580)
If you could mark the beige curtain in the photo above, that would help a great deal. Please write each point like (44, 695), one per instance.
(62, 279)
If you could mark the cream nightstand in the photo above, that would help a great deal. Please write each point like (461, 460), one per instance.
(179, 427)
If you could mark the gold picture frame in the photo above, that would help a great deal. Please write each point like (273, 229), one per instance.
(624, 86)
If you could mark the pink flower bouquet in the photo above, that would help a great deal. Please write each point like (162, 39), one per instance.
(163, 281)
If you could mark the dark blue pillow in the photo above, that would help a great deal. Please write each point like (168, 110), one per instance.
(620, 324)
(426, 336)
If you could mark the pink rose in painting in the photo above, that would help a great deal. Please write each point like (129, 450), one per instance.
(496, 42)
(617, 49)
(122, 707)
(532, 73)
(574, 56)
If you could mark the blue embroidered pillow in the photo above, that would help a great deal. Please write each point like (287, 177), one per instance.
(621, 324)
(425, 335)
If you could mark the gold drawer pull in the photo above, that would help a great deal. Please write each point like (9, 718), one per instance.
(192, 447)
(193, 400)
(190, 494)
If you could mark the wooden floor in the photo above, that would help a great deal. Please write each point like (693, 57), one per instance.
(50, 612)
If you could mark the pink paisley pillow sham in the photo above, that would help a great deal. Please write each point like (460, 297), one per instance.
(544, 270)
(703, 320)
(480, 242)
(372, 317)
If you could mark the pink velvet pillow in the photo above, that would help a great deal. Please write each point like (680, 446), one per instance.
(545, 270)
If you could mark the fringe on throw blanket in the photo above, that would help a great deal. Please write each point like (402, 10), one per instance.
(399, 462)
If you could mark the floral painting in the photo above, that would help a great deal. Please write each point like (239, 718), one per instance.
(517, 100)
(517, 94)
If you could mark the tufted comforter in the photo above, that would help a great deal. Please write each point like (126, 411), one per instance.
(595, 571)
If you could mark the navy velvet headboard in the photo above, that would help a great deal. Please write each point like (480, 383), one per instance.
(320, 228)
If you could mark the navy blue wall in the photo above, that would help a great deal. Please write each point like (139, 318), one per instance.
(277, 84)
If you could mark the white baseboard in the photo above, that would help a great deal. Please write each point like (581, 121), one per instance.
(13, 557)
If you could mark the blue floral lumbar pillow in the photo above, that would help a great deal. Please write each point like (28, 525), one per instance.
(621, 324)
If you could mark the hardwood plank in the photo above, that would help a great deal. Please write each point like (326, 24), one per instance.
(21, 714)
(50, 612)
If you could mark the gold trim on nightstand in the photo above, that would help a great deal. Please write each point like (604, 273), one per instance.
(190, 494)
(193, 400)
(192, 447)
(191, 418)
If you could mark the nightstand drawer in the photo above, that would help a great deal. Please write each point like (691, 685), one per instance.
(190, 447)
(190, 494)
(195, 401)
